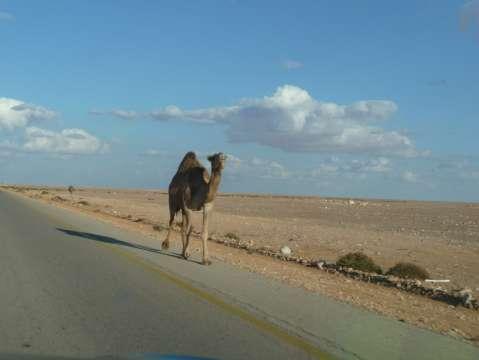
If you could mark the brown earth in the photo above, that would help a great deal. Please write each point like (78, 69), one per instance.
(442, 237)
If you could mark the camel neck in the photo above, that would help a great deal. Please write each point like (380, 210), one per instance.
(214, 184)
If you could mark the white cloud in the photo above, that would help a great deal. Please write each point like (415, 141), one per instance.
(292, 120)
(256, 167)
(209, 116)
(67, 141)
(290, 64)
(459, 167)
(152, 152)
(339, 167)
(380, 165)
(469, 13)
(326, 169)
(16, 113)
(6, 16)
(410, 177)
(124, 114)
(271, 169)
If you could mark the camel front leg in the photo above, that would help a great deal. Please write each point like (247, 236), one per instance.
(207, 208)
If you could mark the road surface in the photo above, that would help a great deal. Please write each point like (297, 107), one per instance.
(71, 285)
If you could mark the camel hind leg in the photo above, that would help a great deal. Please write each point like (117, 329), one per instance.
(166, 243)
(207, 209)
(186, 231)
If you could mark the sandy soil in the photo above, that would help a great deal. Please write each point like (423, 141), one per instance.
(442, 237)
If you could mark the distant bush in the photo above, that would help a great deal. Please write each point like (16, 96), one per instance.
(83, 202)
(359, 261)
(44, 192)
(232, 236)
(408, 271)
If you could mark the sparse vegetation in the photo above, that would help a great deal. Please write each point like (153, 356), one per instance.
(359, 261)
(44, 192)
(408, 271)
(233, 236)
(83, 202)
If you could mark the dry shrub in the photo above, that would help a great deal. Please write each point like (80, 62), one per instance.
(359, 261)
(408, 271)
(232, 236)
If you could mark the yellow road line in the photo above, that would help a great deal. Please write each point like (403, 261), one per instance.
(265, 326)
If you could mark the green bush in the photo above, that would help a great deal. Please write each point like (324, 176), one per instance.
(359, 261)
(408, 271)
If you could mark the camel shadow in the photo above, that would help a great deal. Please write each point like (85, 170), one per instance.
(111, 240)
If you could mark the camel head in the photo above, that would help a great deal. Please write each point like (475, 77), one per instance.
(217, 161)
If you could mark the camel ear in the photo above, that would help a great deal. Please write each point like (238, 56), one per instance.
(206, 176)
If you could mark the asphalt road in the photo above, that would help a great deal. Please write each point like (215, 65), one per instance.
(71, 285)
(67, 294)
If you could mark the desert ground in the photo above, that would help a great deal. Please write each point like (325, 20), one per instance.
(442, 237)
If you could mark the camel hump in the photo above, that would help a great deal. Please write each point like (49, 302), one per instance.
(189, 161)
(206, 176)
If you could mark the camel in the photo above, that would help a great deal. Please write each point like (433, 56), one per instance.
(193, 189)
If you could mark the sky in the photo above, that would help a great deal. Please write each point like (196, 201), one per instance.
(375, 99)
